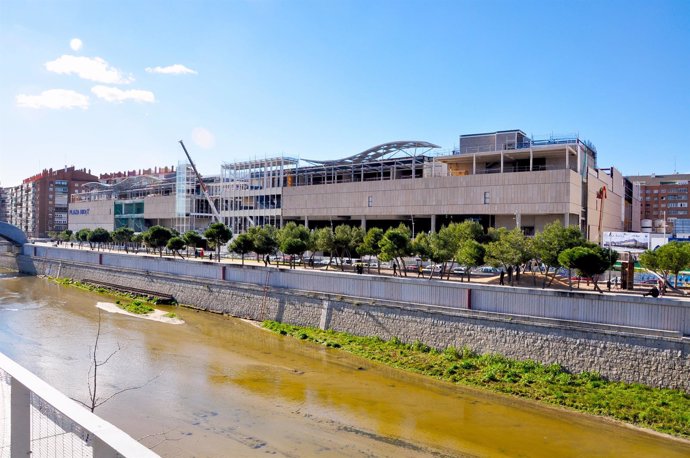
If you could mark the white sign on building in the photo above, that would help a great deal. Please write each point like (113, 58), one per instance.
(626, 241)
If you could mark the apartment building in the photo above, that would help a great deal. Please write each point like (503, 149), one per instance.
(664, 200)
(39, 205)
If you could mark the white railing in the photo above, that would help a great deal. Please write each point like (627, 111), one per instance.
(667, 314)
(37, 420)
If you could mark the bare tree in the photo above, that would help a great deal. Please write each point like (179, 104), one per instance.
(94, 399)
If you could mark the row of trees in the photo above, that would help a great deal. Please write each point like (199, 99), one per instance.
(156, 238)
(464, 244)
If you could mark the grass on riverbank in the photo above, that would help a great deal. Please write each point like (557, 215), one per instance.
(663, 410)
(130, 302)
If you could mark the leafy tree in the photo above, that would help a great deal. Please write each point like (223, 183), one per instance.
(123, 235)
(509, 249)
(470, 254)
(264, 239)
(192, 239)
(395, 245)
(447, 242)
(82, 235)
(175, 244)
(99, 236)
(324, 241)
(218, 234)
(670, 258)
(157, 237)
(242, 244)
(293, 247)
(288, 234)
(553, 240)
(421, 247)
(138, 239)
(589, 261)
(65, 235)
(346, 239)
(370, 245)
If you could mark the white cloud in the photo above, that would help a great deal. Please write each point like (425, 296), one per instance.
(176, 69)
(75, 44)
(88, 68)
(203, 137)
(114, 94)
(54, 99)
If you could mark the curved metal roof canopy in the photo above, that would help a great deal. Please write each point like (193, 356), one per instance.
(383, 151)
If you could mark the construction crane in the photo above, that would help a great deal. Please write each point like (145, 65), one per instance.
(601, 195)
(216, 215)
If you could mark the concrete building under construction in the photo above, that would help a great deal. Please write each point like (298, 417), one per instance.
(500, 179)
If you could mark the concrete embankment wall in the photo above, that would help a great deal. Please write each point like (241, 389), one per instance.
(653, 356)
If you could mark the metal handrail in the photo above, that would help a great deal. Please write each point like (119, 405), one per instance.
(107, 440)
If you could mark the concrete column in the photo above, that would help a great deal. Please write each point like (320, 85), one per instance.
(325, 315)
(306, 222)
(531, 158)
(20, 441)
(364, 223)
(474, 164)
(501, 161)
(567, 158)
(433, 223)
(566, 219)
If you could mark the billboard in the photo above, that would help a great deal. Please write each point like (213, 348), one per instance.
(626, 241)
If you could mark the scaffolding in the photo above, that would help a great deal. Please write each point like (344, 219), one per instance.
(251, 191)
(185, 184)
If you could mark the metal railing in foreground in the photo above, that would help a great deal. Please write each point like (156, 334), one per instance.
(38, 420)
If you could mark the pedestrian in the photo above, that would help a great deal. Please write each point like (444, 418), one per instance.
(654, 292)
(500, 278)
(517, 274)
(210, 256)
(510, 275)
(267, 260)
(71, 245)
(419, 271)
(662, 287)
(395, 269)
(608, 284)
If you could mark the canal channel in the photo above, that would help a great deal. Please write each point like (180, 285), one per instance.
(218, 386)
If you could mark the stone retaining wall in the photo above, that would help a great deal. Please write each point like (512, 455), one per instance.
(661, 360)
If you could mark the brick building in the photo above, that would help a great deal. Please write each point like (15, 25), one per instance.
(664, 199)
(40, 204)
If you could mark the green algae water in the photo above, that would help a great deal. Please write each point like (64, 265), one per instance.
(217, 386)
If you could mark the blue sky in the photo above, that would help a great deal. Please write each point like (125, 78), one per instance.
(113, 85)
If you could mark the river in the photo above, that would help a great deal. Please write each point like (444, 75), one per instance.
(219, 386)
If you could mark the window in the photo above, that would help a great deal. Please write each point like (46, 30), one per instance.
(486, 197)
(370, 201)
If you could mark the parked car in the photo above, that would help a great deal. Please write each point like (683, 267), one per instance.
(434, 268)
(487, 270)
(461, 270)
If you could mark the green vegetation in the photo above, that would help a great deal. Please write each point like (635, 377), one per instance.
(170, 315)
(663, 410)
(140, 305)
(136, 306)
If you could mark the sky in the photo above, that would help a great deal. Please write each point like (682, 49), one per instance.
(113, 85)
